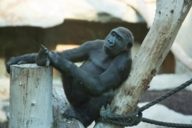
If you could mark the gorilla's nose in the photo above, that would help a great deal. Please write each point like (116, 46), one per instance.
(111, 42)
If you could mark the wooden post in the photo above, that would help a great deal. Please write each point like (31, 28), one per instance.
(30, 96)
(168, 19)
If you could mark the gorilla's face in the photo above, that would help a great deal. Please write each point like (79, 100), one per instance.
(118, 40)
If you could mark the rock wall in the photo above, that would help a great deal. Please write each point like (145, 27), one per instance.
(24, 39)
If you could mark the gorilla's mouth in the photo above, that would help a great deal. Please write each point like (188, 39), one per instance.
(108, 51)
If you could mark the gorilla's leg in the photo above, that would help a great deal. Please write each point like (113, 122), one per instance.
(91, 111)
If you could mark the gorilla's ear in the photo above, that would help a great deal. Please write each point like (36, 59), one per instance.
(129, 45)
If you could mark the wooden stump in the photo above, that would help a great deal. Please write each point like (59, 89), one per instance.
(30, 97)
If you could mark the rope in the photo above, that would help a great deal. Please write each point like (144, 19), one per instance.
(166, 124)
(130, 119)
(135, 118)
(170, 93)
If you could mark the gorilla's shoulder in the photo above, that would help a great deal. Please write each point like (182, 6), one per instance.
(99, 41)
(96, 43)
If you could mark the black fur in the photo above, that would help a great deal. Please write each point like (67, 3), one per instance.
(106, 65)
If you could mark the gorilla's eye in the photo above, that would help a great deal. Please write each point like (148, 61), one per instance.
(119, 37)
(113, 33)
(116, 35)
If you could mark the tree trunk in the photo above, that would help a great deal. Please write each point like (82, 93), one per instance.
(168, 19)
(30, 97)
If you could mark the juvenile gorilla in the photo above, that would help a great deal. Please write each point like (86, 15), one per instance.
(106, 65)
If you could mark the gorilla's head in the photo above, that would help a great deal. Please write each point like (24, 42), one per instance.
(118, 40)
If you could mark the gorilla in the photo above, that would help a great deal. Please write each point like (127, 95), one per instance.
(106, 65)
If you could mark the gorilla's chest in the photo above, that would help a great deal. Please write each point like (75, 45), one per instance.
(97, 63)
(100, 60)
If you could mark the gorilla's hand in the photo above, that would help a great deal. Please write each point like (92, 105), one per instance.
(42, 57)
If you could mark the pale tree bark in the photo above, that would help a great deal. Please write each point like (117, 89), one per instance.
(60, 104)
(168, 19)
(30, 97)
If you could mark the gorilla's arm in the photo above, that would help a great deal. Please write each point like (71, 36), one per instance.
(78, 54)
(23, 59)
(95, 85)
